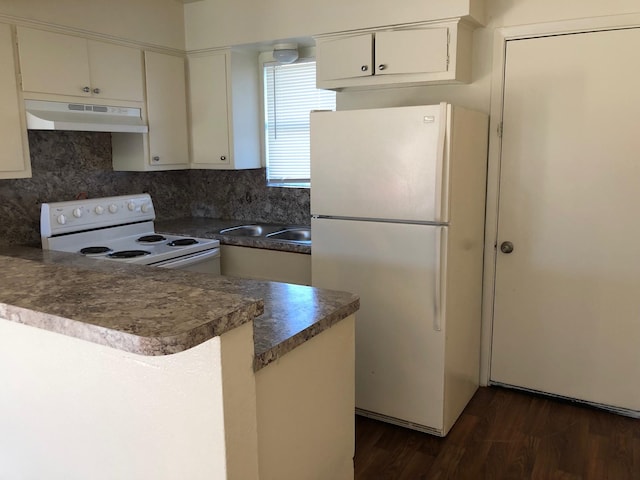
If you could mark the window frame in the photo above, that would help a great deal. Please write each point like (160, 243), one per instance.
(307, 54)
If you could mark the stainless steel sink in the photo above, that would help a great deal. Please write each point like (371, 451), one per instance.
(244, 231)
(281, 233)
(292, 234)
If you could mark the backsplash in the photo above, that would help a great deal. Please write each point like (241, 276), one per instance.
(66, 164)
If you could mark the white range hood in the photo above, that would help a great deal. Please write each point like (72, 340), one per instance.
(43, 115)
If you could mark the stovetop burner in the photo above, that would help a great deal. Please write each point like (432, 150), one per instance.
(182, 242)
(151, 239)
(95, 250)
(129, 254)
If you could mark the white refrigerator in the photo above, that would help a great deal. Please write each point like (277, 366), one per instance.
(397, 205)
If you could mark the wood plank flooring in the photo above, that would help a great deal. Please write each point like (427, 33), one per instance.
(505, 434)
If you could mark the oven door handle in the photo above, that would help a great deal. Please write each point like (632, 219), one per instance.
(187, 260)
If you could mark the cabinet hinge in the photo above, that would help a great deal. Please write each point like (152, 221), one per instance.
(499, 130)
(448, 45)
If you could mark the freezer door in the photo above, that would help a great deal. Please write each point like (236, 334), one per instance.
(395, 268)
(383, 163)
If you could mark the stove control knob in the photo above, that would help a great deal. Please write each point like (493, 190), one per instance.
(131, 206)
(113, 208)
(62, 219)
(77, 212)
(145, 208)
(99, 210)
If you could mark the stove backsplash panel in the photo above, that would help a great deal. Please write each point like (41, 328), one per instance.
(243, 195)
(68, 164)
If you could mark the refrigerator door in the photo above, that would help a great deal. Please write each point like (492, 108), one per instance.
(383, 163)
(396, 270)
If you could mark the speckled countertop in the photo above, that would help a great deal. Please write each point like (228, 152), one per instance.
(153, 311)
(209, 228)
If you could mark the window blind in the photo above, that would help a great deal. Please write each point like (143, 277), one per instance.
(290, 95)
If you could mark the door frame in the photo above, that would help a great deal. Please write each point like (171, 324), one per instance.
(501, 37)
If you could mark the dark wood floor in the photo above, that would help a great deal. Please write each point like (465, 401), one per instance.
(505, 434)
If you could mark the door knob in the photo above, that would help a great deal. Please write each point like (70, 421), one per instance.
(506, 247)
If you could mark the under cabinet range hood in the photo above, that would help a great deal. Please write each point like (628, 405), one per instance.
(44, 115)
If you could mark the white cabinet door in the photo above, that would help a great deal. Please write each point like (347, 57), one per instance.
(167, 109)
(566, 318)
(14, 154)
(54, 63)
(411, 51)
(224, 105)
(394, 269)
(116, 72)
(348, 57)
(209, 109)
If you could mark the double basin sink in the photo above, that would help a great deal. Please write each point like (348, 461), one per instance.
(293, 234)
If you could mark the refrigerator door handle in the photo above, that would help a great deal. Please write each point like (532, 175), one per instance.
(442, 167)
(440, 279)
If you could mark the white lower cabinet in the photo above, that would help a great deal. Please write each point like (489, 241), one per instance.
(224, 105)
(424, 54)
(166, 146)
(262, 264)
(14, 154)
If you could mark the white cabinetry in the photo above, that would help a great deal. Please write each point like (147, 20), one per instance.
(263, 264)
(166, 145)
(224, 105)
(60, 64)
(424, 54)
(14, 154)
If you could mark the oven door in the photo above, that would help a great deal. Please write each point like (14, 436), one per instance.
(203, 262)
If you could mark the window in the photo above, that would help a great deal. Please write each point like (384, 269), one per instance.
(290, 94)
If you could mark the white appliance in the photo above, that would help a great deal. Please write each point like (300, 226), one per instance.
(121, 229)
(397, 203)
(45, 115)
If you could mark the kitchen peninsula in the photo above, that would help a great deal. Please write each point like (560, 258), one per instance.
(138, 372)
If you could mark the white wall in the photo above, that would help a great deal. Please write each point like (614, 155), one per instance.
(218, 23)
(74, 410)
(154, 22)
(211, 23)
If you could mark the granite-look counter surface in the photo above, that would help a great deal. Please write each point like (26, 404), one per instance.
(153, 311)
(209, 228)
(141, 315)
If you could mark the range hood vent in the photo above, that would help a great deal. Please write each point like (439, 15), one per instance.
(43, 115)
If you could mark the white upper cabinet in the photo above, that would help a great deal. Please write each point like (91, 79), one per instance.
(167, 109)
(209, 111)
(224, 105)
(430, 53)
(166, 146)
(14, 154)
(60, 64)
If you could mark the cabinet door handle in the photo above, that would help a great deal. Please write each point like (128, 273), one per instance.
(96, 91)
(364, 68)
(223, 158)
(156, 159)
(382, 66)
(86, 89)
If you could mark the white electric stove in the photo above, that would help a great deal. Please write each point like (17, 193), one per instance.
(121, 229)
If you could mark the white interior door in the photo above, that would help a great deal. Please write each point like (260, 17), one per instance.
(399, 354)
(567, 298)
